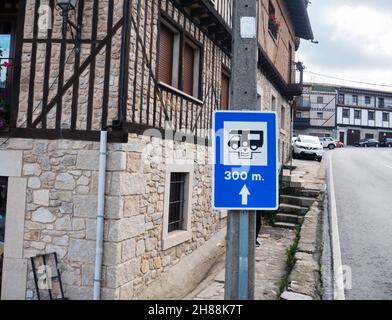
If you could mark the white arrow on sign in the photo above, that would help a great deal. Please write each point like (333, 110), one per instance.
(245, 193)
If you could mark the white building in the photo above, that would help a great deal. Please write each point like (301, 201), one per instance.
(362, 113)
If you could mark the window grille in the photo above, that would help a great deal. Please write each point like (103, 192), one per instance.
(177, 201)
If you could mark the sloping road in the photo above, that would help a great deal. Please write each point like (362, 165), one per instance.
(363, 190)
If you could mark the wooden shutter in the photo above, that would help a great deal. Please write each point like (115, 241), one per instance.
(188, 72)
(225, 92)
(166, 40)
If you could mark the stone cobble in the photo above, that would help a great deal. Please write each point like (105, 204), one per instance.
(271, 267)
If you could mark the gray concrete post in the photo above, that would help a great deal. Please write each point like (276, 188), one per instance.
(243, 97)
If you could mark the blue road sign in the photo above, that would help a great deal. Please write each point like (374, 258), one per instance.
(245, 161)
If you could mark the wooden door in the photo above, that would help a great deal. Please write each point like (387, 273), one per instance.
(353, 137)
(341, 137)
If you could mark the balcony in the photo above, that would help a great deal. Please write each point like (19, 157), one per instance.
(301, 123)
(303, 104)
(212, 18)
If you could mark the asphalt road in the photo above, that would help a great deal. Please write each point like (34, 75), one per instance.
(363, 190)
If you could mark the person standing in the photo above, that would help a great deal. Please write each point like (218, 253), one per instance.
(258, 226)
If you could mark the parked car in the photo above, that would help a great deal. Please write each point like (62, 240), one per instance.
(366, 143)
(293, 139)
(328, 143)
(308, 146)
(386, 143)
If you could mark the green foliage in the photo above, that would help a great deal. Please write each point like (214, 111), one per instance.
(290, 262)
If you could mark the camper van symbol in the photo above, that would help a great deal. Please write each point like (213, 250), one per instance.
(246, 143)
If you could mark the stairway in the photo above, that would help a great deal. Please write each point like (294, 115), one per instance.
(295, 202)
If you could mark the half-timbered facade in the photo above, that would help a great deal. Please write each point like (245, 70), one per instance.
(151, 73)
(363, 114)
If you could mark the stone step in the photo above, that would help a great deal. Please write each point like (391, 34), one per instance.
(287, 218)
(310, 193)
(286, 225)
(298, 201)
(293, 209)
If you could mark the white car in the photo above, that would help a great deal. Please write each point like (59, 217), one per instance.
(329, 143)
(308, 146)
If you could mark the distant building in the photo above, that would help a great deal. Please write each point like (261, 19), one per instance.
(347, 114)
(362, 113)
(315, 111)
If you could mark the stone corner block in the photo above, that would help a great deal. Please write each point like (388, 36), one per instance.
(88, 160)
(125, 184)
(116, 161)
(126, 228)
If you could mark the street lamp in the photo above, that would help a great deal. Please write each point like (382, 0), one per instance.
(66, 6)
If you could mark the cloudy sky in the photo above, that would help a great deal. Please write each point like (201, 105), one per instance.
(355, 42)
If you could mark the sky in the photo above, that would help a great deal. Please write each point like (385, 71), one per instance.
(355, 43)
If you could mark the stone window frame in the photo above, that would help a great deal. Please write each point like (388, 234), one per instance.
(14, 277)
(175, 238)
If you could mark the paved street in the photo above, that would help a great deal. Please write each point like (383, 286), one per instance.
(363, 189)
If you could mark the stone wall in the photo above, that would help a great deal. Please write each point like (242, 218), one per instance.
(267, 93)
(62, 181)
(277, 49)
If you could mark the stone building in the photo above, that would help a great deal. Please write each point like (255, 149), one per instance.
(153, 71)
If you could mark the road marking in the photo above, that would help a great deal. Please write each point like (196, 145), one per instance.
(388, 166)
(336, 254)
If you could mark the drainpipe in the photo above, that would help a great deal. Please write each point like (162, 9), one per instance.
(100, 215)
(123, 84)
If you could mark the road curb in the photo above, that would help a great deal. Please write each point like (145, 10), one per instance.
(337, 268)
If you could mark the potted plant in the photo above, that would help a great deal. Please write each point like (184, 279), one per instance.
(273, 25)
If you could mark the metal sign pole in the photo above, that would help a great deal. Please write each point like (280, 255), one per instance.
(241, 225)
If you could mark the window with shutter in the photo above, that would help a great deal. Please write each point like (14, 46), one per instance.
(188, 70)
(166, 43)
(225, 92)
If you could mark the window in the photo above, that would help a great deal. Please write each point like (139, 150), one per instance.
(273, 24)
(7, 52)
(385, 116)
(273, 103)
(225, 90)
(171, 51)
(371, 115)
(367, 100)
(166, 55)
(341, 99)
(369, 136)
(357, 114)
(177, 205)
(190, 72)
(346, 113)
(381, 102)
(355, 99)
(320, 99)
(320, 115)
(177, 201)
(283, 118)
(298, 115)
